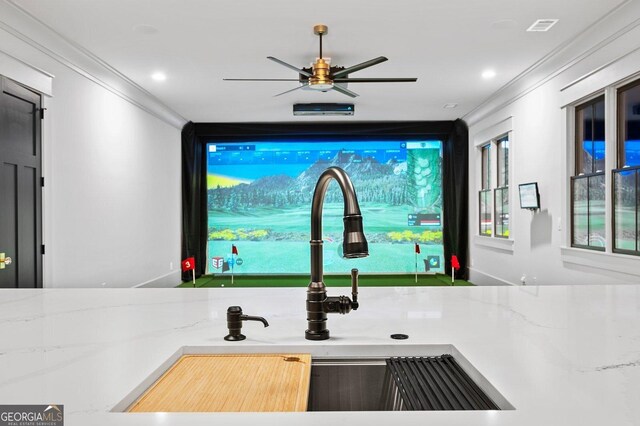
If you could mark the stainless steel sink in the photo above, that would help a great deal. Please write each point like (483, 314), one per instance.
(351, 377)
(341, 384)
(394, 384)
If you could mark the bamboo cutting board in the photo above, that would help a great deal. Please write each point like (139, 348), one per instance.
(242, 382)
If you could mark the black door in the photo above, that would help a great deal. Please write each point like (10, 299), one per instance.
(20, 187)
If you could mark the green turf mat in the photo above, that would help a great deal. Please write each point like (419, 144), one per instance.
(242, 281)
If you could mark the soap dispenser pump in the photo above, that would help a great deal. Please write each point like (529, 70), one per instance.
(234, 323)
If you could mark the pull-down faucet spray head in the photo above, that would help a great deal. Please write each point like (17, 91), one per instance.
(354, 243)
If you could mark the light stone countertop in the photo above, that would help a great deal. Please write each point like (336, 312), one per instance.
(561, 355)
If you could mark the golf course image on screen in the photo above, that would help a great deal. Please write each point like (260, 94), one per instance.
(259, 201)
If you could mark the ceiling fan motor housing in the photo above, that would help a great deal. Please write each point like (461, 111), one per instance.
(321, 79)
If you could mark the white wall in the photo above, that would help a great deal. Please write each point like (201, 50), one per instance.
(112, 200)
(533, 105)
(113, 197)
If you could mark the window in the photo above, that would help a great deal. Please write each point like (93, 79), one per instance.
(629, 125)
(626, 178)
(502, 191)
(590, 137)
(485, 192)
(493, 196)
(588, 182)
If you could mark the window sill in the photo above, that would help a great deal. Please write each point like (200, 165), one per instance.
(626, 264)
(504, 244)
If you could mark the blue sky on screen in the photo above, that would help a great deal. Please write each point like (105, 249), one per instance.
(251, 160)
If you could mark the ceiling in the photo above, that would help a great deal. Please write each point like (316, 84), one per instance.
(196, 43)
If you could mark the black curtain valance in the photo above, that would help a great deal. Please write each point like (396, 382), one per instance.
(454, 135)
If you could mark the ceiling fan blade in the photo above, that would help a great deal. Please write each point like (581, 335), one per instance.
(295, 88)
(345, 91)
(260, 79)
(375, 80)
(298, 70)
(359, 67)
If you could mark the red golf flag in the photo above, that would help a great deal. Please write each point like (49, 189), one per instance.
(234, 249)
(454, 262)
(188, 264)
(417, 249)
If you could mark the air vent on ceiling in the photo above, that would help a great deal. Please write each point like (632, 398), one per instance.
(542, 25)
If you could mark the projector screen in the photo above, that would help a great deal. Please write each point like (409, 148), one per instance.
(259, 201)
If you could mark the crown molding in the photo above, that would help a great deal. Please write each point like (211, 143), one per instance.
(26, 74)
(18, 22)
(609, 28)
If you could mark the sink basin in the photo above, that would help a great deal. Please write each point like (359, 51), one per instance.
(359, 377)
(347, 384)
(393, 384)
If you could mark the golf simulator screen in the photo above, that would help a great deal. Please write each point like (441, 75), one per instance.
(259, 201)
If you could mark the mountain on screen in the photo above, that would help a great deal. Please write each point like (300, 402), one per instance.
(374, 182)
(357, 167)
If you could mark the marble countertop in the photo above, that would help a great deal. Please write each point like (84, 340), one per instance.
(561, 355)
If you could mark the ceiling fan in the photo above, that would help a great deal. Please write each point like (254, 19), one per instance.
(323, 77)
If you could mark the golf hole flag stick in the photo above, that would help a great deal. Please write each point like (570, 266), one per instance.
(417, 250)
(189, 264)
(234, 251)
(455, 265)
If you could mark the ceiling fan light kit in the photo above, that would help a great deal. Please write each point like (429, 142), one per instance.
(323, 77)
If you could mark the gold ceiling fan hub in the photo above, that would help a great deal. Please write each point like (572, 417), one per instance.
(321, 79)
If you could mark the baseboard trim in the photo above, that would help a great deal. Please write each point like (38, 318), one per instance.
(498, 281)
(169, 280)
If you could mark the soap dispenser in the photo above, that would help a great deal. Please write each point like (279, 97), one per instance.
(234, 323)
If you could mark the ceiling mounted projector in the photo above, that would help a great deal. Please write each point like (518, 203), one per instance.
(323, 109)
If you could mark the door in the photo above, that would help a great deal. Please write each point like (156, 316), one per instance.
(20, 187)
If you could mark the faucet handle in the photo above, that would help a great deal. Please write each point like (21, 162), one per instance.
(354, 289)
(342, 304)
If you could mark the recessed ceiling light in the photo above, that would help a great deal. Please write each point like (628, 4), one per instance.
(449, 106)
(487, 74)
(542, 25)
(159, 76)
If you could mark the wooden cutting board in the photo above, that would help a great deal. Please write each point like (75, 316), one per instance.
(242, 382)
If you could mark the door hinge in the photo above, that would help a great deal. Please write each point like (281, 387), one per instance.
(42, 181)
(42, 110)
(42, 251)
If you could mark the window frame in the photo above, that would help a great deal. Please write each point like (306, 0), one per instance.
(577, 173)
(636, 170)
(619, 142)
(485, 189)
(485, 166)
(620, 167)
(489, 169)
(502, 188)
(571, 205)
(577, 131)
(605, 79)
